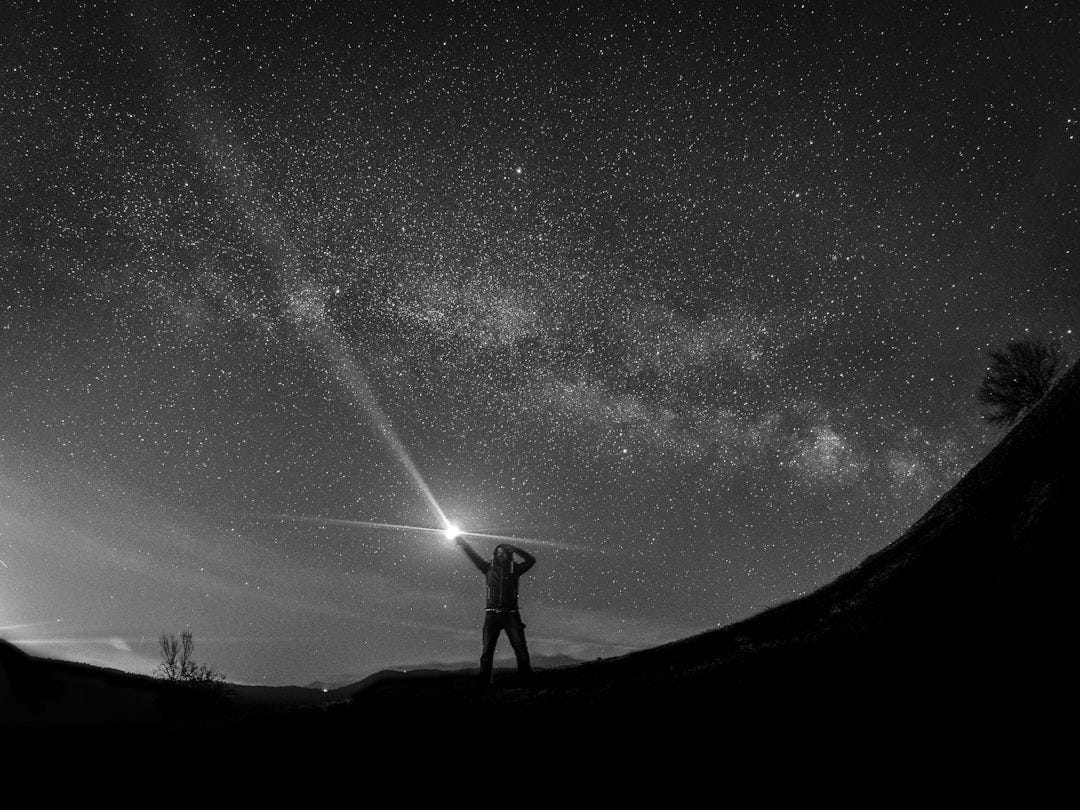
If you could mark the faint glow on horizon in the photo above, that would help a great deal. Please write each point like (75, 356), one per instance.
(6, 627)
(114, 642)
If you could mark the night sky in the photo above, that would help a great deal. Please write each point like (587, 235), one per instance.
(697, 300)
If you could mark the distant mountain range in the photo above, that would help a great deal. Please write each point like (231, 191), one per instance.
(346, 685)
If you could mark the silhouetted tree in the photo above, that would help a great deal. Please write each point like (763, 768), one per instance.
(1018, 377)
(178, 665)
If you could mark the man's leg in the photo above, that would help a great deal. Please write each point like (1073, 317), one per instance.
(491, 636)
(515, 631)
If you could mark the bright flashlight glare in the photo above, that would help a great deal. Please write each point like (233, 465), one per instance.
(452, 532)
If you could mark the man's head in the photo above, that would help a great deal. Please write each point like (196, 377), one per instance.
(502, 556)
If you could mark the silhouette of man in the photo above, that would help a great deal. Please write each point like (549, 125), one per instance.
(502, 611)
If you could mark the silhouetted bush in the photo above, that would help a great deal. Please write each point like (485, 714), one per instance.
(1018, 377)
(201, 684)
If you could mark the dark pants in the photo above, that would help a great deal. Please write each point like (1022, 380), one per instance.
(509, 621)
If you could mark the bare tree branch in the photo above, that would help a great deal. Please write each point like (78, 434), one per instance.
(178, 664)
(1019, 376)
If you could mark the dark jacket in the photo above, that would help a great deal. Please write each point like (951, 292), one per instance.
(502, 583)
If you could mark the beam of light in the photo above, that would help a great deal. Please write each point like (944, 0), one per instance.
(3, 564)
(356, 524)
(237, 179)
(353, 379)
(550, 543)
(451, 532)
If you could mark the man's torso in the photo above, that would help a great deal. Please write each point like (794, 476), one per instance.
(502, 589)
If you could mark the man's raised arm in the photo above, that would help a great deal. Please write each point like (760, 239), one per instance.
(528, 561)
(478, 561)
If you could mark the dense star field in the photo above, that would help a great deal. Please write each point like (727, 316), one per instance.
(701, 294)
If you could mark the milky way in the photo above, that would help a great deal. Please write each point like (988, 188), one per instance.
(702, 294)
